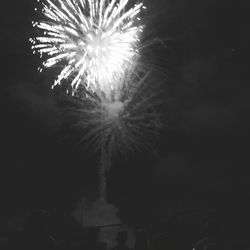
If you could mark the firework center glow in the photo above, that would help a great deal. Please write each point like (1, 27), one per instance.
(114, 109)
(98, 46)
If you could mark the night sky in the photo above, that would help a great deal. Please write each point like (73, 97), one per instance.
(201, 161)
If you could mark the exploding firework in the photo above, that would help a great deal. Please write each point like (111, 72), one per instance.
(126, 125)
(95, 41)
(97, 45)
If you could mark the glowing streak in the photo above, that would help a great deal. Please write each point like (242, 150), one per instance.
(102, 36)
(125, 125)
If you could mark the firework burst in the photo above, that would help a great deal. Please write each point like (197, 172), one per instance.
(97, 45)
(126, 125)
(95, 42)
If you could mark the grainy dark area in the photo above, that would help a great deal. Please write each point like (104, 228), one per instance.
(200, 173)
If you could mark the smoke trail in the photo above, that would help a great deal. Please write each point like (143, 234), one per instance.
(100, 214)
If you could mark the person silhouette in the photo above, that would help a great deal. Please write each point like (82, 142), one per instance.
(36, 236)
(173, 233)
(92, 240)
(121, 238)
(103, 246)
(141, 242)
(213, 233)
(39, 231)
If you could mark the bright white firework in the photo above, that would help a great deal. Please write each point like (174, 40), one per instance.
(96, 41)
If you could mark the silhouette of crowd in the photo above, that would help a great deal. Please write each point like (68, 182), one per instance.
(36, 236)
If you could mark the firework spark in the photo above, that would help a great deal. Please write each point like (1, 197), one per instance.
(96, 41)
(125, 125)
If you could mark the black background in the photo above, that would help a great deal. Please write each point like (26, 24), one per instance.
(203, 153)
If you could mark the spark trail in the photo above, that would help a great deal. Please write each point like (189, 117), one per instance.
(123, 126)
(97, 46)
(128, 125)
(96, 42)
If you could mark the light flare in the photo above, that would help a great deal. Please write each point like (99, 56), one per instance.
(97, 41)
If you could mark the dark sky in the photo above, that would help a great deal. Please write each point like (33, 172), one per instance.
(202, 158)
